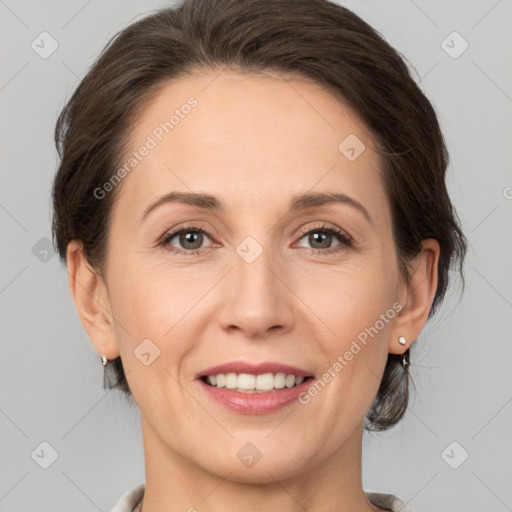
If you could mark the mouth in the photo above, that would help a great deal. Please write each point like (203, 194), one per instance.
(255, 383)
(248, 388)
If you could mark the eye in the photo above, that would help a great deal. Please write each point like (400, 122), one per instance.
(321, 238)
(190, 238)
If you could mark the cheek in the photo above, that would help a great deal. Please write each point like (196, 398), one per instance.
(360, 312)
(148, 305)
(151, 298)
(350, 298)
(339, 300)
(154, 338)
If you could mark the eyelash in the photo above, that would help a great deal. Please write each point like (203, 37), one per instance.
(344, 239)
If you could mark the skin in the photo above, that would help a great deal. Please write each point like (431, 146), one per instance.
(253, 141)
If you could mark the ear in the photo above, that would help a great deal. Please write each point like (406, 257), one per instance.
(92, 302)
(416, 297)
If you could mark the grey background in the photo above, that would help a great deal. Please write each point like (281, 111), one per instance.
(51, 377)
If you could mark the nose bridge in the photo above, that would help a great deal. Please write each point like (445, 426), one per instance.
(257, 299)
(253, 266)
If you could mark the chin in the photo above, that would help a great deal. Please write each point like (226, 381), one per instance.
(266, 470)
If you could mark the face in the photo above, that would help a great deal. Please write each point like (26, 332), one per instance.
(260, 278)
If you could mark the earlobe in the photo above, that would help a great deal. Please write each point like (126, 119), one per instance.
(419, 293)
(92, 302)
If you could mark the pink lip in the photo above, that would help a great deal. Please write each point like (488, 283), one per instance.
(255, 369)
(255, 403)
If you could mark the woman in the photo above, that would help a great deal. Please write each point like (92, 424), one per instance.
(287, 143)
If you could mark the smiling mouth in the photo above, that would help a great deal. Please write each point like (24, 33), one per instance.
(251, 383)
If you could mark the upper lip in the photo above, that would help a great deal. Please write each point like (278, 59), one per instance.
(255, 369)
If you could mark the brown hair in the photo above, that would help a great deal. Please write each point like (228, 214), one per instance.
(315, 40)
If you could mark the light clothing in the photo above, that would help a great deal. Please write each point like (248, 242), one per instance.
(131, 498)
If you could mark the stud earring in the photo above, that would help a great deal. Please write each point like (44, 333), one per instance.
(402, 340)
(104, 360)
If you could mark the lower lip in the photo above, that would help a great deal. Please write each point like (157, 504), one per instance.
(255, 403)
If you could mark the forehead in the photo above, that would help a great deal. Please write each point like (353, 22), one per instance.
(259, 135)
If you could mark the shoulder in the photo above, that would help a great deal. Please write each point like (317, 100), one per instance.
(388, 502)
(130, 499)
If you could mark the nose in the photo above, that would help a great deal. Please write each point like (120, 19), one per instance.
(259, 298)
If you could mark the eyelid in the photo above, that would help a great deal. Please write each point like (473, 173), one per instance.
(324, 226)
(173, 232)
(344, 238)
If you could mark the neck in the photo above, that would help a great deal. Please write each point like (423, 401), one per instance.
(174, 483)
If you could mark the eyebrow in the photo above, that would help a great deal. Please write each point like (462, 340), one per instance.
(298, 202)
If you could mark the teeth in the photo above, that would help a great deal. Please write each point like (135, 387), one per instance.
(231, 381)
(248, 383)
(280, 380)
(265, 382)
(245, 381)
(290, 381)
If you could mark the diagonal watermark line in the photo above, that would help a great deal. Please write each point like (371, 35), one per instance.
(13, 279)
(492, 8)
(428, 276)
(425, 75)
(288, 82)
(13, 217)
(213, 79)
(492, 81)
(301, 300)
(192, 307)
(216, 216)
(84, 416)
(217, 486)
(5, 495)
(484, 218)
(501, 409)
(424, 13)
(88, 497)
(286, 491)
(14, 76)
(291, 412)
(314, 185)
(502, 296)
(99, 303)
(13, 423)
(373, 373)
(508, 508)
(424, 423)
(76, 14)
(78, 78)
(3, 2)
(94, 92)
(419, 491)
(193, 397)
